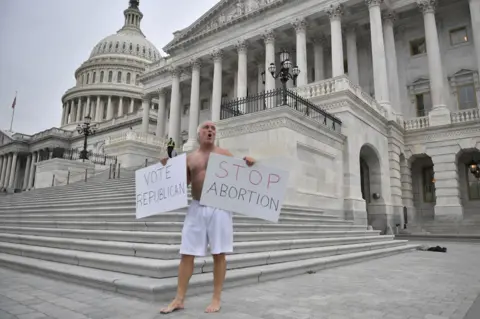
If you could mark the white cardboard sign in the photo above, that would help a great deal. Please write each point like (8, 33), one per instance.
(161, 188)
(256, 191)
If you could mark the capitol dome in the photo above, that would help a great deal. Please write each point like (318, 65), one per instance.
(107, 84)
(129, 40)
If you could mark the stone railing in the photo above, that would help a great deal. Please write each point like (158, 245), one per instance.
(52, 132)
(465, 116)
(417, 123)
(137, 137)
(339, 84)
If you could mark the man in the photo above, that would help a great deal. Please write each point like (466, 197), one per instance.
(203, 222)
(170, 147)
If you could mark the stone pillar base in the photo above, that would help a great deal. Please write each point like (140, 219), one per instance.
(190, 145)
(355, 210)
(439, 116)
(448, 213)
(59, 171)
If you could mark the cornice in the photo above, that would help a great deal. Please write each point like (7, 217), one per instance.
(432, 134)
(123, 65)
(103, 90)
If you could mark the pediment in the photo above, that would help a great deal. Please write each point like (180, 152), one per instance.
(463, 72)
(5, 138)
(224, 14)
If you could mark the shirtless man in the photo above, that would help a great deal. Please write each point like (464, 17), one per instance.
(202, 223)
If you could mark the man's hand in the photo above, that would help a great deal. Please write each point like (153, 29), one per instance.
(164, 161)
(250, 161)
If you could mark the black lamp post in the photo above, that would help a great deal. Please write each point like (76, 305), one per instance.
(86, 129)
(284, 73)
(474, 168)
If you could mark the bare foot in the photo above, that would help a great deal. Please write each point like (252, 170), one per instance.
(213, 307)
(173, 306)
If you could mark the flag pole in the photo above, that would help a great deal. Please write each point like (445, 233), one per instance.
(13, 111)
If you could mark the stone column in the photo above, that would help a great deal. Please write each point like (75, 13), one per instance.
(87, 107)
(132, 105)
(335, 13)
(300, 26)
(120, 107)
(174, 122)
(395, 177)
(146, 113)
(98, 111)
(433, 52)
(475, 17)
(389, 18)
(3, 162)
(242, 75)
(6, 169)
(195, 102)
(32, 169)
(160, 130)
(407, 189)
(79, 110)
(318, 48)
(109, 108)
(448, 203)
(352, 55)
(71, 116)
(13, 170)
(64, 111)
(269, 39)
(27, 172)
(217, 56)
(379, 59)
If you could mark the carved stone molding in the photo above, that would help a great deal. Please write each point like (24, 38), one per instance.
(268, 36)
(320, 40)
(389, 16)
(300, 24)
(161, 92)
(335, 12)
(195, 64)
(217, 55)
(175, 72)
(241, 46)
(373, 3)
(427, 6)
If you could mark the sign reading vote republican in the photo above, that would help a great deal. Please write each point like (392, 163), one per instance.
(257, 191)
(161, 188)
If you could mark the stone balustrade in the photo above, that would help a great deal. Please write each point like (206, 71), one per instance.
(465, 115)
(417, 123)
(137, 137)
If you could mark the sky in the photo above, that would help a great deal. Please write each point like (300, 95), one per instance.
(43, 42)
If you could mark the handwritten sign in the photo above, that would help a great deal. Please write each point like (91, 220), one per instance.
(256, 191)
(161, 188)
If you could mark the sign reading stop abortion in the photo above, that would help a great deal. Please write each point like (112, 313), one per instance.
(256, 191)
(161, 188)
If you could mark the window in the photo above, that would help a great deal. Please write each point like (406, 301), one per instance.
(119, 77)
(204, 105)
(128, 77)
(110, 76)
(88, 78)
(458, 36)
(418, 46)
(101, 77)
(428, 185)
(83, 78)
(424, 103)
(473, 185)
(345, 66)
(467, 98)
(94, 77)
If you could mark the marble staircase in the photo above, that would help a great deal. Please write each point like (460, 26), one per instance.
(87, 233)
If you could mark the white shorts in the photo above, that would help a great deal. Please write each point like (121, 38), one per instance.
(203, 226)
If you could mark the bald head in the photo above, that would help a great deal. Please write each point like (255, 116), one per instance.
(206, 133)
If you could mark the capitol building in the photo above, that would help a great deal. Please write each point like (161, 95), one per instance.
(372, 105)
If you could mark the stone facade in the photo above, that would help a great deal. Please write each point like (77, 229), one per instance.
(408, 102)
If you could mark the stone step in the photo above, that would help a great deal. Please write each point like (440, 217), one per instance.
(177, 216)
(172, 226)
(159, 251)
(164, 289)
(436, 237)
(156, 268)
(174, 238)
(165, 217)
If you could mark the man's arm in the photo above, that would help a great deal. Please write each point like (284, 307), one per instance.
(249, 160)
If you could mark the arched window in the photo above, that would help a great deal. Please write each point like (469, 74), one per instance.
(110, 76)
(83, 79)
(124, 46)
(128, 78)
(110, 46)
(88, 77)
(101, 77)
(131, 47)
(119, 77)
(116, 46)
(136, 79)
